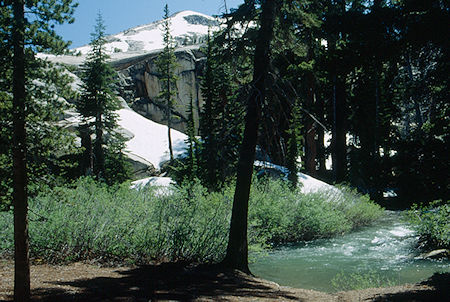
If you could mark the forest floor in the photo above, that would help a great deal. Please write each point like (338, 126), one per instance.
(187, 282)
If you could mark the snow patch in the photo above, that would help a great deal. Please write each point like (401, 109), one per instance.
(309, 184)
(150, 140)
(152, 181)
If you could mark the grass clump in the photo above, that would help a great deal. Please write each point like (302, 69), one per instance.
(90, 220)
(361, 280)
(432, 223)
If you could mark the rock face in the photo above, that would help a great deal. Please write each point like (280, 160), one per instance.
(140, 85)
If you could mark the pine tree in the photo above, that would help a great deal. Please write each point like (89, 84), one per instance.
(237, 249)
(207, 127)
(191, 142)
(293, 145)
(97, 106)
(27, 27)
(221, 120)
(167, 64)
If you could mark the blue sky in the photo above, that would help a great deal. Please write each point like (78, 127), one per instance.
(123, 14)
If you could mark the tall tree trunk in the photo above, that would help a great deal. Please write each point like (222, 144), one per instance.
(237, 250)
(413, 98)
(87, 161)
(339, 135)
(321, 141)
(338, 141)
(20, 196)
(311, 145)
(169, 134)
(169, 110)
(98, 148)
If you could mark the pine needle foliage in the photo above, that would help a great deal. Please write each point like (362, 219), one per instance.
(97, 105)
(167, 65)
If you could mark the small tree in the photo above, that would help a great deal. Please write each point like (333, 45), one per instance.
(97, 107)
(191, 142)
(167, 63)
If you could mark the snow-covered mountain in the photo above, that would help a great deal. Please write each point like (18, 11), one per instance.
(148, 143)
(187, 28)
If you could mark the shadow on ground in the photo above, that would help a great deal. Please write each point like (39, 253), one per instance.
(169, 281)
(439, 290)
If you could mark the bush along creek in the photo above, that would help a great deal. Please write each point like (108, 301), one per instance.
(92, 221)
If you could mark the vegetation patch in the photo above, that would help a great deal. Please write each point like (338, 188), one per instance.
(90, 220)
(432, 222)
(361, 280)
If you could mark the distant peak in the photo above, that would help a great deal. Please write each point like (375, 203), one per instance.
(185, 13)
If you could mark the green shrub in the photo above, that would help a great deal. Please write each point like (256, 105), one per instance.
(432, 223)
(90, 220)
(279, 215)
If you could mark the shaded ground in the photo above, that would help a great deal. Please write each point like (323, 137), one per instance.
(183, 282)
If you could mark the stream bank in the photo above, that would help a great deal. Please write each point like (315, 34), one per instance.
(386, 250)
(187, 282)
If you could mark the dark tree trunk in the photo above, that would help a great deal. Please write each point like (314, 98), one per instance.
(87, 160)
(99, 166)
(338, 141)
(311, 144)
(237, 250)
(21, 253)
(321, 159)
(169, 112)
(413, 98)
(339, 134)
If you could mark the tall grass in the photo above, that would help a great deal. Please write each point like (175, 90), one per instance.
(92, 221)
(362, 280)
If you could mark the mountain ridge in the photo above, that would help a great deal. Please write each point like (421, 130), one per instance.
(187, 28)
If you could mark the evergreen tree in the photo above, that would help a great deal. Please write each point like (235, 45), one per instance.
(50, 146)
(293, 145)
(237, 249)
(167, 64)
(207, 127)
(97, 106)
(221, 119)
(23, 97)
(192, 143)
(20, 178)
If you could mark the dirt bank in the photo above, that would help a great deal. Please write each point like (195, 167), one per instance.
(184, 282)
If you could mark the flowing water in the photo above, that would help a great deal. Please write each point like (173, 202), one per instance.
(386, 248)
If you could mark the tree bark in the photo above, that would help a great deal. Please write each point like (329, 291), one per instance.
(237, 250)
(87, 160)
(169, 108)
(311, 144)
(98, 148)
(321, 156)
(338, 141)
(20, 196)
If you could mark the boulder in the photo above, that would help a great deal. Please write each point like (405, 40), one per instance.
(437, 254)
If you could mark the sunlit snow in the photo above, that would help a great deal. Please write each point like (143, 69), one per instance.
(150, 140)
(149, 37)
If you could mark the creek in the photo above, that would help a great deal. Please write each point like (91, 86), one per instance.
(386, 248)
